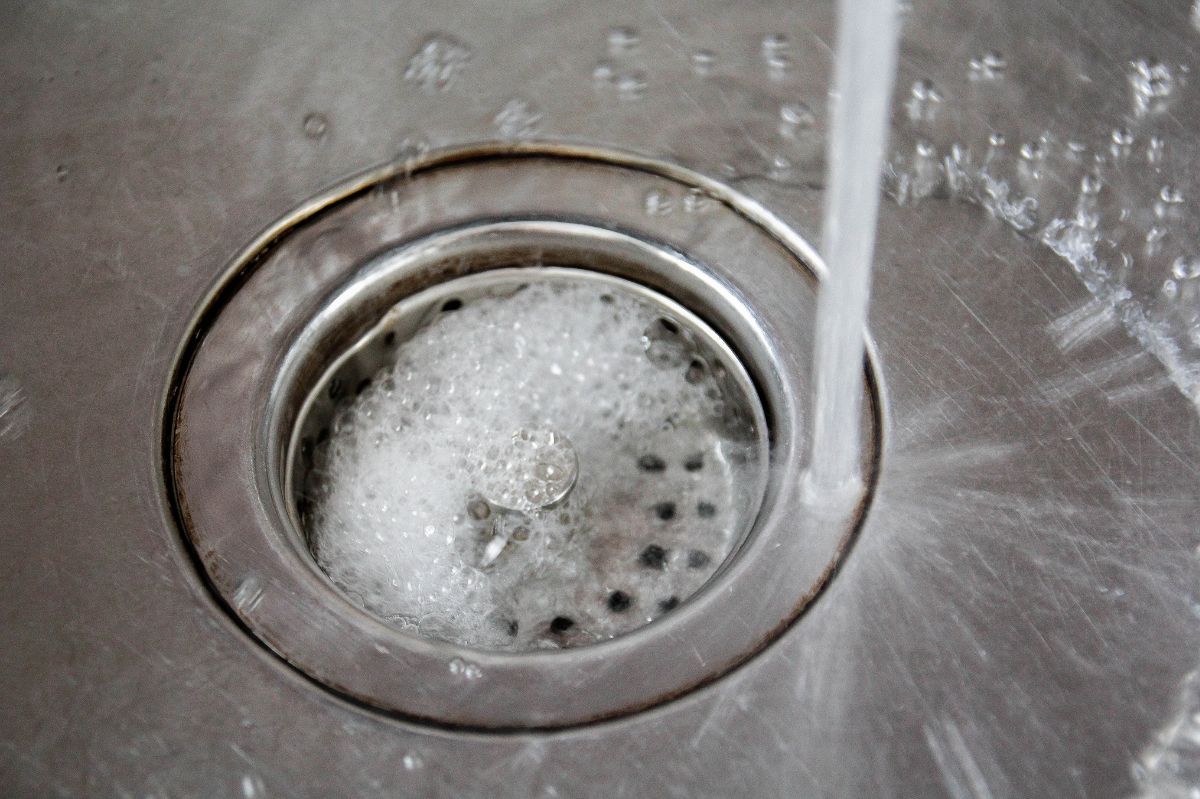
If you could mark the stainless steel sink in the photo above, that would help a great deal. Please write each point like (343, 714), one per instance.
(1018, 613)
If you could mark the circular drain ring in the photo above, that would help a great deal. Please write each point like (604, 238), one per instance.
(745, 272)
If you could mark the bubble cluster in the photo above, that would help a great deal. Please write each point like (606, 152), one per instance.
(1152, 83)
(518, 119)
(443, 498)
(988, 67)
(923, 101)
(437, 62)
(621, 70)
(774, 48)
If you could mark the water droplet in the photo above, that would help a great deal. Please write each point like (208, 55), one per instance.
(412, 761)
(248, 595)
(657, 202)
(774, 44)
(1167, 205)
(696, 201)
(778, 66)
(1170, 289)
(1032, 151)
(779, 167)
(15, 413)
(465, 669)
(1186, 268)
(437, 63)
(703, 62)
(518, 119)
(1154, 237)
(603, 72)
(923, 102)
(621, 40)
(996, 140)
(412, 148)
(795, 119)
(1196, 15)
(1122, 139)
(315, 125)
(631, 85)
(990, 66)
(252, 786)
(1152, 84)
(1155, 149)
(1090, 184)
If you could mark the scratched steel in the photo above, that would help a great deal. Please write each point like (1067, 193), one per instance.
(1017, 618)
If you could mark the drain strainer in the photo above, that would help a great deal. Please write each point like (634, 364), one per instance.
(486, 443)
(528, 458)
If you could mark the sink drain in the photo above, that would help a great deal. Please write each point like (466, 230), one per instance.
(485, 443)
(528, 449)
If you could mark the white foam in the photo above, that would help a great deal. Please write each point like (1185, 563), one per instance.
(396, 511)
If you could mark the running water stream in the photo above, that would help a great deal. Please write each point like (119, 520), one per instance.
(864, 72)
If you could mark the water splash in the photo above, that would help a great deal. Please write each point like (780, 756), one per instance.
(15, 411)
(1169, 768)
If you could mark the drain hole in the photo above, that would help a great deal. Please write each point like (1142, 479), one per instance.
(493, 468)
(560, 624)
(619, 601)
(654, 557)
(652, 463)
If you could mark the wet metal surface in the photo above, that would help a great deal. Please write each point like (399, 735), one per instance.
(1018, 616)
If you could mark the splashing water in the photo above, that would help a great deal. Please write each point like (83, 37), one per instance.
(863, 78)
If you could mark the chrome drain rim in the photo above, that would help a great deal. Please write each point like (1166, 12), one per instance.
(235, 519)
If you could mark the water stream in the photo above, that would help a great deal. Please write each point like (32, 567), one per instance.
(864, 72)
